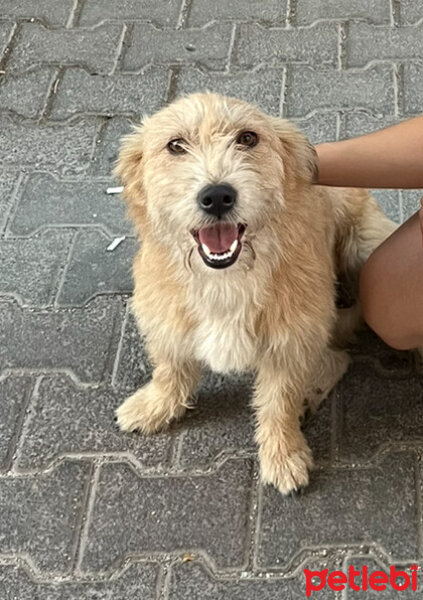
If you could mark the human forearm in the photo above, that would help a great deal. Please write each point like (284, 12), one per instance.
(389, 158)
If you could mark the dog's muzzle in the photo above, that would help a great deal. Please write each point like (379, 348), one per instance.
(219, 244)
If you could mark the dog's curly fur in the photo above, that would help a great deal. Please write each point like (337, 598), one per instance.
(274, 311)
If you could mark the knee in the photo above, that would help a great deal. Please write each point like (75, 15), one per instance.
(378, 309)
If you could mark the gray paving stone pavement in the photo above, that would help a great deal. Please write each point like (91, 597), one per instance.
(14, 96)
(118, 94)
(89, 512)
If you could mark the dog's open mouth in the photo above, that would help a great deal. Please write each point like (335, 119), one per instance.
(220, 244)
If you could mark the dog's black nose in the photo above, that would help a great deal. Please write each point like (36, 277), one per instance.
(217, 199)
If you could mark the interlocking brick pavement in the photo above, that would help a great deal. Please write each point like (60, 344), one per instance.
(90, 512)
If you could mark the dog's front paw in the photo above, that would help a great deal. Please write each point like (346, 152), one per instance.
(147, 411)
(288, 472)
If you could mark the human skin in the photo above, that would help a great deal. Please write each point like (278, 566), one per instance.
(391, 282)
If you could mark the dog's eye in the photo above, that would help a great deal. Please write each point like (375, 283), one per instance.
(247, 138)
(177, 146)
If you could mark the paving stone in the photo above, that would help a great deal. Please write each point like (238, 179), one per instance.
(93, 270)
(410, 202)
(308, 12)
(30, 268)
(14, 94)
(170, 514)
(67, 203)
(80, 92)
(272, 11)
(107, 150)
(208, 46)
(391, 362)
(309, 89)
(96, 49)
(261, 87)
(365, 42)
(64, 148)
(83, 340)
(134, 368)
(361, 122)
(389, 593)
(14, 397)
(411, 12)
(344, 506)
(8, 182)
(375, 412)
(67, 419)
(139, 581)
(190, 580)
(40, 515)
(161, 12)
(6, 30)
(256, 44)
(389, 202)
(54, 13)
(413, 88)
(320, 127)
(223, 423)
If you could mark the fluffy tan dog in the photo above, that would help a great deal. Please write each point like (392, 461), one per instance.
(238, 267)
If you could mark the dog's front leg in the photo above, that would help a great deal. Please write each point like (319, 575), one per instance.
(285, 457)
(165, 398)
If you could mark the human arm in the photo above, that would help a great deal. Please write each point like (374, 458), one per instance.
(388, 158)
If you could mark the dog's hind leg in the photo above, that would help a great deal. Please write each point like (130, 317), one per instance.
(329, 371)
(165, 398)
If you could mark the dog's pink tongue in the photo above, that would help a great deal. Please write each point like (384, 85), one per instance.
(218, 237)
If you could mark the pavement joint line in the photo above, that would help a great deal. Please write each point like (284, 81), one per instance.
(26, 422)
(50, 94)
(254, 519)
(4, 58)
(20, 422)
(125, 40)
(64, 270)
(184, 14)
(12, 205)
(85, 516)
(283, 92)
(231, 48)
(173, 84)
(75, 14)
(163, 582)
(342, 36)
(291, 14)
(125, 320)
(338, 126)
(61, 270)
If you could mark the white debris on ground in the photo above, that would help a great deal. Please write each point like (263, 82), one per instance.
(116, 242)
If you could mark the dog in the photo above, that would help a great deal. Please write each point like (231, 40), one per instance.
(238, 269)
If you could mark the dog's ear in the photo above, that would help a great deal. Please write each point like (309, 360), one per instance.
(297, 152)
(129, 163)
(129, 169)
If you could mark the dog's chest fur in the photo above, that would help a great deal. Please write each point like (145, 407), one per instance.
(224, 337)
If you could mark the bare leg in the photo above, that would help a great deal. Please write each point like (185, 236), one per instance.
(162, 400)
(391, 288)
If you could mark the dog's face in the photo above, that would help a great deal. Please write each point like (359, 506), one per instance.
(208, 175)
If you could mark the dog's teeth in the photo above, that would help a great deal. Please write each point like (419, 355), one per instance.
(233, 246)
(206, 250)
